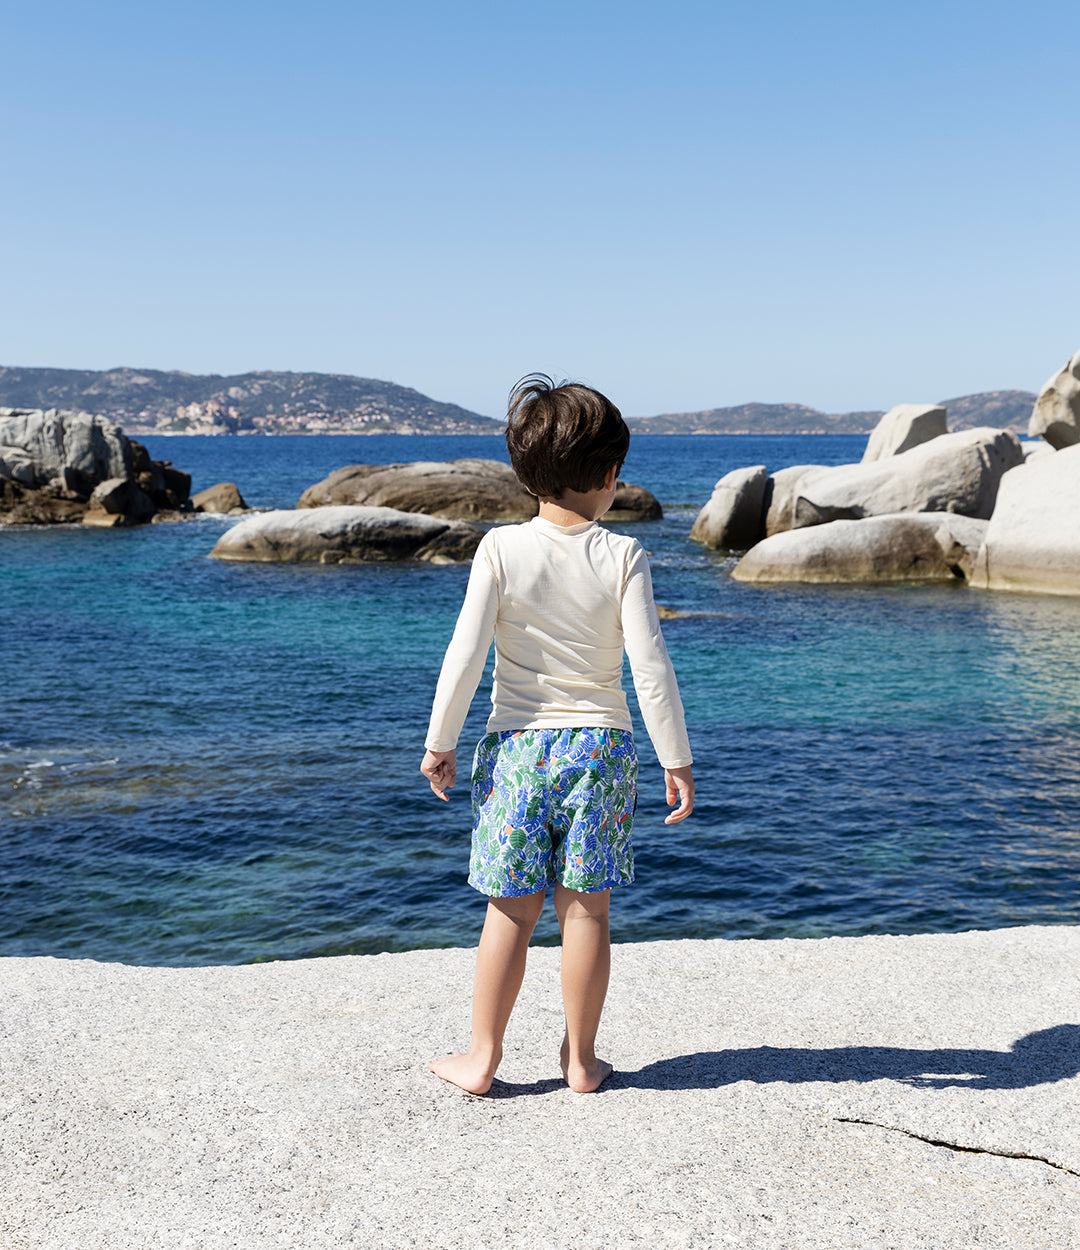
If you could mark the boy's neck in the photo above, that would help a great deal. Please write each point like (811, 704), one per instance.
(573, 507)
(560, 512)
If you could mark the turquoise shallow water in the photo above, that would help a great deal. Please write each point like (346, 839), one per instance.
(205, 763)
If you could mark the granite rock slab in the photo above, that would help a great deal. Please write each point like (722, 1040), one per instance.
(834, 1094)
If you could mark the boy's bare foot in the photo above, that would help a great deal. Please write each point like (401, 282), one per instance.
(583, 1078)
(467, 1071)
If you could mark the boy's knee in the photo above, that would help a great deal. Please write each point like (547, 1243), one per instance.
(521, 908)
(573, 904)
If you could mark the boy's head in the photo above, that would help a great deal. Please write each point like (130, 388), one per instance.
(563, 437)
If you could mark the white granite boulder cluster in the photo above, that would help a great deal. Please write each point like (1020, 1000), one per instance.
(58, 466)
(1033, 539)
(923, 505)
(1056, 416)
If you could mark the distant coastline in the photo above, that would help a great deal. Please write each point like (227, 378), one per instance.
(151, 402)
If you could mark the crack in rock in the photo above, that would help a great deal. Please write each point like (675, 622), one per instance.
(974, 1150)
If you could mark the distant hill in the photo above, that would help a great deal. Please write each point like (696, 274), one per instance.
(153, 401)
(756, 419)
(1004, 409)
(1008, 409)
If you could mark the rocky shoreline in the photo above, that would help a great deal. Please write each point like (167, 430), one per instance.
(923, 504)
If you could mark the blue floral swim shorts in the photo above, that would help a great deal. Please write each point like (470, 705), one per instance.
(552, 805)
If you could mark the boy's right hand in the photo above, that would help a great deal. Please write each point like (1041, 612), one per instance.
(440, 768)
(679, 783)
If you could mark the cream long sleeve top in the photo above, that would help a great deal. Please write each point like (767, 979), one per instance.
(561, 603)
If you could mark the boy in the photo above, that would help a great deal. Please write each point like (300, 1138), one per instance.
(553, 783)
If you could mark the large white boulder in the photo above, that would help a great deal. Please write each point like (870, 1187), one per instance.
(904, 427)
(344, 534)
(732, 519)
(781, 491)
(1056, 415)
(951, 473)
(1033, 540)
(36, 445)
(908, 546)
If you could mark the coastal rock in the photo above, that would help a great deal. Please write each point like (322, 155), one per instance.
(55, 466)
(224, 497)
(49, 505)
(347, 534)
(952, 473)
(923, 547)
(732, 519)
(633, 503)
(456, 490)
(1033, 540)
(165, 486)
(1056, 415)
(43, 443)
(904, 427)
(781, 491)
(118, 501)
(1031, 450)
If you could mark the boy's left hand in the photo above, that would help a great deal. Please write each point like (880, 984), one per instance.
(679, 783)
(440, 768)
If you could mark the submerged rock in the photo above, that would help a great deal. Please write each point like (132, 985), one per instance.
(732, 519)
(904, 427)
(1033, 539)
(1056, 415)
(347, 534)
(951, 473)
(922, 546)
(457, 490)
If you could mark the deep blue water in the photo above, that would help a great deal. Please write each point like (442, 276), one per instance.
(212, 763)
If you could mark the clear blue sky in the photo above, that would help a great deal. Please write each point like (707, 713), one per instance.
(688, 205)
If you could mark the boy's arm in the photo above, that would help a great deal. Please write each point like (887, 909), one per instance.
(462, 668)
(654, 678)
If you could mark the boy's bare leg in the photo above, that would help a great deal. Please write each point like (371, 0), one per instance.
(586, 966)
(500, 967)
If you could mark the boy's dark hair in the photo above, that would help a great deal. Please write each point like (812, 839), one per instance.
(562, 437)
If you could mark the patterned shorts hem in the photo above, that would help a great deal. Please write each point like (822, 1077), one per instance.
(586, 887)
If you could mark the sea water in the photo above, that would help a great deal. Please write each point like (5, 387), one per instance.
(206, 763)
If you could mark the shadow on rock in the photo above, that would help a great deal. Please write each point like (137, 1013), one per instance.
(1038, 1059)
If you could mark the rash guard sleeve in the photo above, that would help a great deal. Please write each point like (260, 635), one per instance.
(463, 664)
(650, 666)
